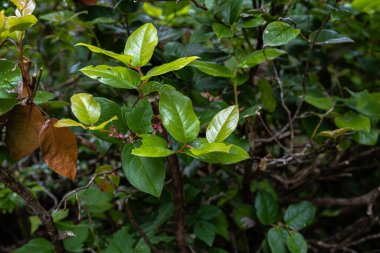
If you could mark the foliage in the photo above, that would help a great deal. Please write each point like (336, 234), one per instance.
(189, 126)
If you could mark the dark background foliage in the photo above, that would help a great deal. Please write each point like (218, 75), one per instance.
(309, 120)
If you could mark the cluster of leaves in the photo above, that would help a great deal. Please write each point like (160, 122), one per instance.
(255, 103)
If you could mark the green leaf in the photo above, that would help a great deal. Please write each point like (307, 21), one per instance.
(212, 69)
(253, 59)
(145, 173)
(221, 225)
(103, 124)
(366, 6)
(296, 243)
(141, 43)
(222, 31)
(353, 121)
(300, 215)
(10, 77)
(40, 245)
(68, 123)
(369, 139)
(85, 108)
(277, 239)
(267, 96)
(24, 7)
(205, 231)
(168, 67)
(152, 10)
(6, 105)
(243, 215)
(223, 124)
(43, 97)
(21, 23)
(229, 10)
(139, 120)
(327, 36)
(324, 103)
(279, 33)
(118, 77)
(60, 215)
(124, 58)
(152, 146)
(267, 209)
(178, 116)
(219, 153)
(254, 22)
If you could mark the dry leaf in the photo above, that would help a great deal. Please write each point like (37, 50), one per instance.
(23, 128)
(59, 148)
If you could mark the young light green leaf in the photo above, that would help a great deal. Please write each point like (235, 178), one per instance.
(279, 33)
(85, 108)
(219, 153)
(222, 31)
(141, 43)
(324, 103)
(327, 36)
(21, 23)
(277, 238)
(139, 120)
(178, 116)
(260, 56)
(104, 124)
(68, 123)
(24, 7)
(300, 215)
(267, 208)
(168, 67)
(267, 95)
(124, 58)
(153, 146)
(205, 231)
(212, 69)
(296, 243)
(353, 121)
(334, 133)
(118, 77)
(223, 124)
(145, 173)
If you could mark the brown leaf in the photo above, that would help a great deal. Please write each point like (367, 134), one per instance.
(23, 128)
(59, 149)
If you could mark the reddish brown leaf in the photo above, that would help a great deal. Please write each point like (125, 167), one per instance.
(59, 149)
(23, 128)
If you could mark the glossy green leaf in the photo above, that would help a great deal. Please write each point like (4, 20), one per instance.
(68, 123)
(145, 173)
(152, 146)
(327, 36)
(254, 22)
(212, 69)
(222, 31)
(324, 103)
(10, 77)
(279, 33)
(223, 124)
(168, 67)
(219, 153)
(43, 97)
(21, 23)
(85, 108)
(7, 104)
(300, 215)
(139, 120)
(353, 121)
(267, 209)
(296, 243)
(253, 59)
(277, 239)
(205, 231)
(124, 58)
(118, 77)
(141, 43)
(178, 116)
(229, 10)
(103, 124)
